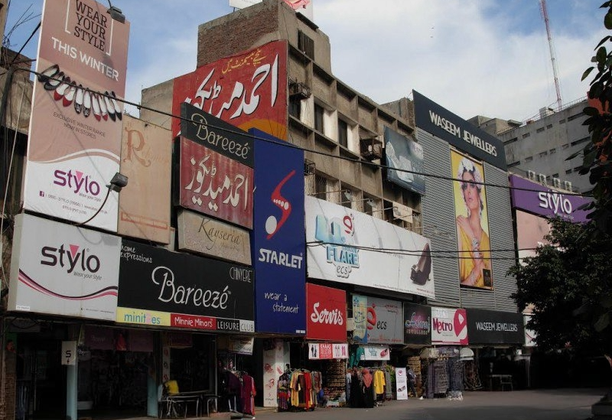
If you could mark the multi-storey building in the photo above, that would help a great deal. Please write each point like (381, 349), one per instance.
(539, 147)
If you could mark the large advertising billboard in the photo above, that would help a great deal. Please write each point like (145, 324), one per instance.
(162, 288)
(472, 222)
(325, 313)
(405, 161)
(531, 232)
(431, 117)
(213, 184)
(75, 128)
(146, 159)
(345, 246)
(278, 237)
(546, 202)
(60, 269)
(247, 90)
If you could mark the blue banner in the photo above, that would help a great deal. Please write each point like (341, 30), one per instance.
(279, 240)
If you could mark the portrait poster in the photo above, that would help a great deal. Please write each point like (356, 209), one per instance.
(472, 222)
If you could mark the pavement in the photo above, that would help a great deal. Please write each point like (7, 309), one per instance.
(550, 404)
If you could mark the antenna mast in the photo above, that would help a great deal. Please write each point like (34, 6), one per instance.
(552, 53)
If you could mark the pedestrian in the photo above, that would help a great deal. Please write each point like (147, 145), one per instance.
(348, 378)
(412, 382)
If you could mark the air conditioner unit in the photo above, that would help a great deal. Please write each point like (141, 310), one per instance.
(309, 167)
(299, 89)
(531, 175)
(542, 179)
(371, 148)
(567, 185)
(556, 183)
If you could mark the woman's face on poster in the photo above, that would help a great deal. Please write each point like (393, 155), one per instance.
(471, 195)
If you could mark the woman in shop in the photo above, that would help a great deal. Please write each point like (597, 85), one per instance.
(473, 240)
(367, 388)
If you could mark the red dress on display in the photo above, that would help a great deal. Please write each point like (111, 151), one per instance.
(248, 394)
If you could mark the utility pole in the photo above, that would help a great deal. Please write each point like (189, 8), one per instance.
(552, 53)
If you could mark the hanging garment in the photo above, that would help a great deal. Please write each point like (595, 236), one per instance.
(379, 382)
(248, 394)
(283, 392)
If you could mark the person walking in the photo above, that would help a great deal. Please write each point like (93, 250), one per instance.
(412, 382)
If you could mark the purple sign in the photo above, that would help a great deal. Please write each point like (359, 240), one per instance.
(536, 198)
(279, 241)
(417, 324)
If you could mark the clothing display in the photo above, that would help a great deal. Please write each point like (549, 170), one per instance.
(296, 390)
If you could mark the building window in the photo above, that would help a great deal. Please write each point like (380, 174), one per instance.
(526, 135)
(319, 113)
(539, 130)
(542, 154)
(565, 146)
(573, 117)
(567, 172)
(306, 44)
(342, 133)
(320, 187)
(549, 126)
(552, 151)
(582, 140)
(529, 159)
(512, 140)
(510, 165)
(295, 107)
(562, 121)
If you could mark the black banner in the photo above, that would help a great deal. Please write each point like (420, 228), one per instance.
(217, 135)
(155, 279)
(494, 327)
(440, 122)
(417, 324)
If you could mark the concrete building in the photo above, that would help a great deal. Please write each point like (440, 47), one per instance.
(538, 148)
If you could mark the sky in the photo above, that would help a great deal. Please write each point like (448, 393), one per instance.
(473, 57)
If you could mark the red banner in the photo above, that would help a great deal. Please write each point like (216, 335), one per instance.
(215, 185)
(248, 90)
(326, 313)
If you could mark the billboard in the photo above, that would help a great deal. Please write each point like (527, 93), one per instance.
(449, 326)
(213, 184)
(405, 154)
(325, 313)
(417, 324)
(431, 117)
(146, 159)
(472, 222)
(61, 269)
(546, 202)
(247, 90)
(162, 288)
(383, 319)
(495, 327)
(344, 246)
(278, 237)
(75, 127)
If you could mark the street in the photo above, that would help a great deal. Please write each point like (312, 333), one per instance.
(557, 404)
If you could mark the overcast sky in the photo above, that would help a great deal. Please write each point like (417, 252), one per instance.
(473, 57)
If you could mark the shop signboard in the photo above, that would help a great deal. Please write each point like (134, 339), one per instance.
(530, 335)
(189, 291)
(345, 248)
(405, 161)
(146, 159)
(449, 326)
(375, 353)
(537, 199)
(278, 237)
(241, 345)
(208, 236)
(495, 327)
(401, 383)
(75, 128)
(325, 313)
(417, 324)
(383, 319)
(61, 269)
(327, 351)
(275, 360)
(217, 135)
(247, 90)
(360, 318)
(215, 185)
(431, 117)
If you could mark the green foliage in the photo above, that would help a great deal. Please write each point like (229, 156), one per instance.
(597, 161)
(568, 283)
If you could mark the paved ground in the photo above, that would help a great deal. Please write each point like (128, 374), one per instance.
(563, 404)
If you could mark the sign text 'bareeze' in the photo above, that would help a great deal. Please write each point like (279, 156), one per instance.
(468, 137)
